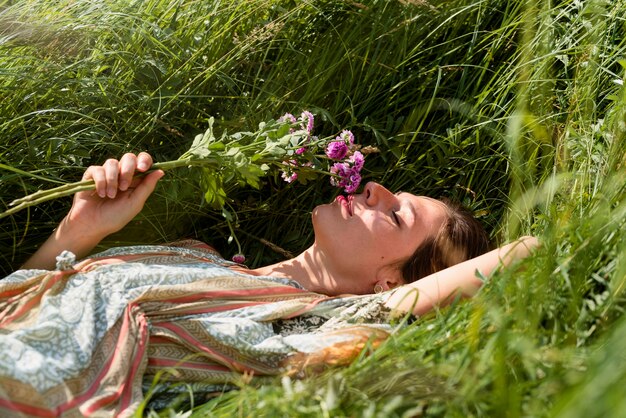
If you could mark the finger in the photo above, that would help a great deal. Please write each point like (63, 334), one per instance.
(96, 173)
(127, 164)
(144, 161)
(111, 170)
(147, 185)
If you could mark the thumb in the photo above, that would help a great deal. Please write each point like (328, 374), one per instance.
(144, 189)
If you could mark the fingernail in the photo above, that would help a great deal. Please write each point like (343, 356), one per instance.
(111, 192)
(142, 166)
(123, 185)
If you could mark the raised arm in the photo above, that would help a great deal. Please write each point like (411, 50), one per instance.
(441, 288)
(94, 214)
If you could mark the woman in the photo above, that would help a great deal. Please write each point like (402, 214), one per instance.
(88, 337)
(367, 242)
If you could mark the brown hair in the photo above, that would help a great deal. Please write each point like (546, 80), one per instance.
(460, 238)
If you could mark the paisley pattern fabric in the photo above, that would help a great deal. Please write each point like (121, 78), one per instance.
(95, 338)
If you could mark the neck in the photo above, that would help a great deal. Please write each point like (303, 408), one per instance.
(310, 269)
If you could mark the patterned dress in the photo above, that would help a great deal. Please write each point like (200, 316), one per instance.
(101, 336)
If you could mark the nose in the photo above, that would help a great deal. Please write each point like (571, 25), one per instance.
(376, 193)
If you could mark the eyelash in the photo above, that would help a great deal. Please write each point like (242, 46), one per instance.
(395, 218)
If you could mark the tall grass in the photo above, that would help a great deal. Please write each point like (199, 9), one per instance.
(516, 108)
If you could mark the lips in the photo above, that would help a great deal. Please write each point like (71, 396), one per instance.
(345, 202)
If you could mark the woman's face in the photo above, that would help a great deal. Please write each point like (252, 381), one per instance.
(365, 237)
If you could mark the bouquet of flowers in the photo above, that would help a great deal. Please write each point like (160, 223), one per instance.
(286, 144)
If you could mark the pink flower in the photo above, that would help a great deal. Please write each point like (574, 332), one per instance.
(289, 177)
(353, 183)
(347, 137)
(288, 174)
(357, 160)
(345, 176)
(336, 150)
(307, 121)
(239, 258)
(287, 117)
(340, 173)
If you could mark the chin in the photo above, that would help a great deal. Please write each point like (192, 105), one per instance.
(315, 218)
(318, 213)
(324, 226)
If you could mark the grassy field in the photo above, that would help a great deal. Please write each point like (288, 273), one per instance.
(516, 108)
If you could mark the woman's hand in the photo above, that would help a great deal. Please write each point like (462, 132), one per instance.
(117, 199)
(94, 214)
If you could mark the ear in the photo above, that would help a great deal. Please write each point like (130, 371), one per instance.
(389, 279)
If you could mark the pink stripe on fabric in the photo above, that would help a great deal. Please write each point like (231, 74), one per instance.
(15, 294)
(89, 263)
(307, 307)
(96, 382)
(221, 308)
(36, 297)
(182, 333)
(26, 409)
(162, 362)
(121, 340)
(215, 294)
(139, 355)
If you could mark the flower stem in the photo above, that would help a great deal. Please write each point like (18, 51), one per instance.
(79, 186)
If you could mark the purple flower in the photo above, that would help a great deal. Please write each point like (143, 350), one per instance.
(357, 160)
(336, 150)
(239, 258)
(307, 121)
(288, 174)
(340, 172)
(345, 176)
(346, 136)
(287, 117)
(353, 182)
(348, 162)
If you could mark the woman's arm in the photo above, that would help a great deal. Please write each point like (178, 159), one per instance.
(441, 288)
(94, 214)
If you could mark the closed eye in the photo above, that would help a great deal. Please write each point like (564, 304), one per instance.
(396, 219)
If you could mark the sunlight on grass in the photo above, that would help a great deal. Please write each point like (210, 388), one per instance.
(515, 108)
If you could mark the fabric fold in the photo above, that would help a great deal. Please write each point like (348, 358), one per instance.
(91, 339)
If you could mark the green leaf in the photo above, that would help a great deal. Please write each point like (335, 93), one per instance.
(251, 174)
(275, 150)
(217, 146)
(214, 193)
(231, 152)
(282, 130)
(200, 146)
